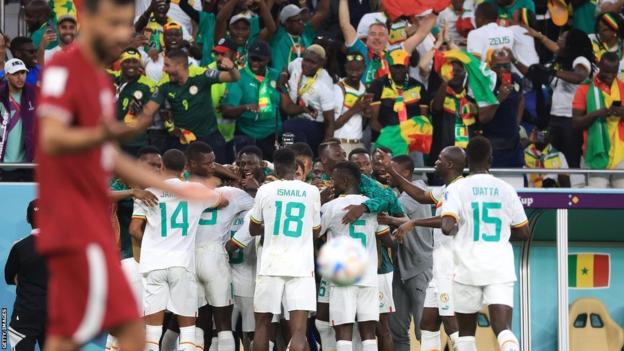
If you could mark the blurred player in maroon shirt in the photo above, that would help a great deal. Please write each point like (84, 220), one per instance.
(77, 154)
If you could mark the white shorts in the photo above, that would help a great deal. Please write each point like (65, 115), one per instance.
(386, 302)
(348, 302)
(214, 277)
(323, 291)
(470, 298)
(173, 289)
(439, 295)
(299, 294)
(243, 306)
(130, 268)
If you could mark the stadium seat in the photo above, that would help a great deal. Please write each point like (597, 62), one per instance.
(592, 328)
(486, 340)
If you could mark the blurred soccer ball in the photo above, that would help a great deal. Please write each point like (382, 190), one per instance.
(342, 261)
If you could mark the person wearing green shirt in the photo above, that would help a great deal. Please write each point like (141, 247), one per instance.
(506, 8)
(293, 36)
(254, 103)
(39, 20)
(191, 103)
(133, 91)
(584, 15)
(206, 21)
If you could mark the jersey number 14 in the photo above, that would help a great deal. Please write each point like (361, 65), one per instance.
(481, 216)
(178, 219)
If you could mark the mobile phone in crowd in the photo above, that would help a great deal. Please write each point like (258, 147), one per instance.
(506, 79)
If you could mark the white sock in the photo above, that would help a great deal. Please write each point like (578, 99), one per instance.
(344, 345)
(430, 341)
(271, 345)
(187, 339)
(111, 343)
(214, 343)
(152, 337)
(199, 339)
(226, 340)
(454, 337)
(466, 343)
(369, 345)
(508, 341)
(169, 341)
(328, 335)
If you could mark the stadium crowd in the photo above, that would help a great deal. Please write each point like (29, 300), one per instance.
(515, 71)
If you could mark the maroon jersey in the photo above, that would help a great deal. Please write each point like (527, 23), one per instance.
(73, 188)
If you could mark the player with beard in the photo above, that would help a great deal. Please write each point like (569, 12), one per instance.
(77, 154)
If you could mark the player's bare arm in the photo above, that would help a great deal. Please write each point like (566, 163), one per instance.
(137, 227)
(229, 71)
(256, 229)
(415, 192)
(449, 225)
(521, 233)
(138, 194)
(407, 227)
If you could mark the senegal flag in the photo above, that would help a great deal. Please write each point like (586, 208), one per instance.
(588, 271)
(411, 135)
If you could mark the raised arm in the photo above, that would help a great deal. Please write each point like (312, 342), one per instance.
(223, 18)
(230, 73)
(189, 10)
(267, 19)
(344, 19)
(424, 28)
(322, 10)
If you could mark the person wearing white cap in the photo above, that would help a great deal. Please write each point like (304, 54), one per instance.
(67, 29)
(377, 42)
(17, 120)
(293, 36)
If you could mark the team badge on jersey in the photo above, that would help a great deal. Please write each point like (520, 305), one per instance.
(444, 298)
(138, 95)
(193, 89)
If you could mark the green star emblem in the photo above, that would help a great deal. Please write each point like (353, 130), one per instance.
(584, 270)
(69, 5)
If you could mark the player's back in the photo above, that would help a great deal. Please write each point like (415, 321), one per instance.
(363, 229)
(215, 224)
(486, 208)
(169, 236)
(290, 210)
(73, 188)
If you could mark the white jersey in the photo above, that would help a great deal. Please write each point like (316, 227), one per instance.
(169, 236)
(243, 260)
(365, 229)
(486, 208)
(289, 210)
(215, 223)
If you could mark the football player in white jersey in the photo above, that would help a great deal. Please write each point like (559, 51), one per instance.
(439, 302)
(287, 213)
(359, 301)
(167, 256)
(212, 262)
(483, 213)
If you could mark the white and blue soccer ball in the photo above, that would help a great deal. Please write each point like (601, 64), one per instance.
(342, 261)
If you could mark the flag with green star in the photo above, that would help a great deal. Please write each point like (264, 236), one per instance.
(588, 270)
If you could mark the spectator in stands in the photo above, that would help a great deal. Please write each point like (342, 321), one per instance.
(4, 45)
(67, 30)
(17, 112)
(489, 35)
(293, 35)
(541, 154)
(244, 27)
(254, 102)
(26, 269)
(189, 95)
(205, 20)
(523, 45)
(458, 19)
(154, 19)
(395, 95)
(309, 101)
(503, 129)
(506, 8)
(608, 36)
(583, 15)
(375, 48)
(22, 48)
(39, 19)
(352, 104)
(598, 110)
(133, 92)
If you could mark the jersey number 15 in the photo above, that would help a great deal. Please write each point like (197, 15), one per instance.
(481, 215)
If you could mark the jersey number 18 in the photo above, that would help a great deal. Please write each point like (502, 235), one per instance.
(293, 213)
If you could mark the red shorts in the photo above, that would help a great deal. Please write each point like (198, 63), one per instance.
(88, 293)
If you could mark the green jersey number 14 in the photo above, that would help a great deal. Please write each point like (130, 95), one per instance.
(178, 219)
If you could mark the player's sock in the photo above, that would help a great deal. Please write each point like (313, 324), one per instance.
(344, 345)
(327, 333)
(169, 341)
(466, 343)
(508, 341)
(226, 340)
(152, 336)
(214, 343)
(187, 339)
(369, 345)
(199, 339)
(454, 337)
(111, 343)
(430, 341)
(271, 345)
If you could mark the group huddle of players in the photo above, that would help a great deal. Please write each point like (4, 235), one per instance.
(250, 251)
